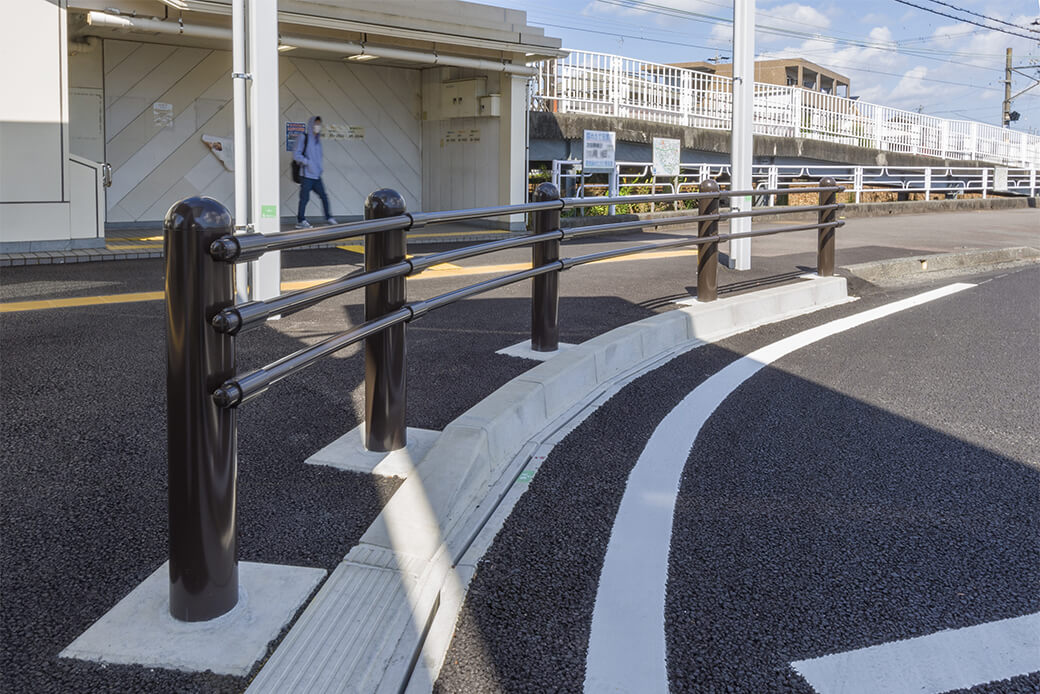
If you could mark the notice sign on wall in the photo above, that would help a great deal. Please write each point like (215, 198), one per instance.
(666, 157)
(598, 151)
(463, 135)
(162, 114)
(292, 132)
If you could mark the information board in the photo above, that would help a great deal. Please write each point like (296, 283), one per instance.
(293, 131)
(598, 151)
(666, 157)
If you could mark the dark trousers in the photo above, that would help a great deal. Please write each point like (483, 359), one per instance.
(306, 186)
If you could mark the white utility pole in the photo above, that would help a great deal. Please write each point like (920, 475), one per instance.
(238, 81)
(741, 144)
(254, 27)
(264, 165)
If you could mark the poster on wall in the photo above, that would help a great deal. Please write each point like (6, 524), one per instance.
(292, 132)
(598, 151)
(666, 157)
(162, 114)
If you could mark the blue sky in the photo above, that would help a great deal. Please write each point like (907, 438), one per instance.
(895, 54)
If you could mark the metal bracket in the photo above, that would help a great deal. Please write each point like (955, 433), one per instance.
(241, 76)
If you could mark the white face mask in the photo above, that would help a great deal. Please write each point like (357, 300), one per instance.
(317, 128)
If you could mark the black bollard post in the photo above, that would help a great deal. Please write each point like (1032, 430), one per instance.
(708, 253)
(201, 441)
(385, 365)
(825, 237)
(545, 290)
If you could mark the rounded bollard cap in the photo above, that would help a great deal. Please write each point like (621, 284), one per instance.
(385, 202)
(545, 192)
(827, 182)
(199, 213)
(709, 186)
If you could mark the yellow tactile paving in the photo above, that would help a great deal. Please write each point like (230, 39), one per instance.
(438, 271)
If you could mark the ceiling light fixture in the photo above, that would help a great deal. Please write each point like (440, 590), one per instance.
(361, 57)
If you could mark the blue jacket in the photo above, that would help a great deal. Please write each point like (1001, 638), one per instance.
(311, 165)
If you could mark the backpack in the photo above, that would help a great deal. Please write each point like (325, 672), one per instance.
(296, 165)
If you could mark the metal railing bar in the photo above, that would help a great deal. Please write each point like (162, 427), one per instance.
(236, 319)
(237, 249)
(420, 308)
(421, 219)
(678, 197)
(688, 241)
(420, 264)
(245, 387)
(578, 232)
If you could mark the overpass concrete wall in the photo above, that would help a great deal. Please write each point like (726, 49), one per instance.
(559, 136)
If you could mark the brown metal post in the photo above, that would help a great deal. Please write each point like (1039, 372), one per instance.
(545, 289)
(201, 440)
(825, 245)
(708, 253)
(385, 362)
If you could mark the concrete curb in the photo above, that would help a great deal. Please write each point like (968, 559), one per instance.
(901, 268)
(365, 629)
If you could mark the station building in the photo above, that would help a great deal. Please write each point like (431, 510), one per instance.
(116, 109)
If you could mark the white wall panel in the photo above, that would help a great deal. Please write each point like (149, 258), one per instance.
(33, 112)
(155, 167)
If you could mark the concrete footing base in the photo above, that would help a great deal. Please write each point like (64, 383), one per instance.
(523, 350)
(348, 452)
(140, 631)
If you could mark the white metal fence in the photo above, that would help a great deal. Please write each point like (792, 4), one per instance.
(603, 84)
(929, 180)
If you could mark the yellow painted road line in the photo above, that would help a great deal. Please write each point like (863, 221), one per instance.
(438, 271)
(70, 302)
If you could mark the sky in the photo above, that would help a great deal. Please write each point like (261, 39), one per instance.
(894, 54)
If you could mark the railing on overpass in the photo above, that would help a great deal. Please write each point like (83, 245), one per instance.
(204, 388)
(952, 181)
(612, 85)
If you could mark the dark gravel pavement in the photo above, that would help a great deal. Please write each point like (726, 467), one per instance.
(878, 485)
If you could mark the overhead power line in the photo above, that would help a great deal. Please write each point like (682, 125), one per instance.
(968, 21)
(986, 17)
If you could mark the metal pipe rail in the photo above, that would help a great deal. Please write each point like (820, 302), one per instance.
(203, 390)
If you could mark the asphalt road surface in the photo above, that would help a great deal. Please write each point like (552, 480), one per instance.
(82, 477)
(880, 484)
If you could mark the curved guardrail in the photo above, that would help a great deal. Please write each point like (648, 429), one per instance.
(204, 389)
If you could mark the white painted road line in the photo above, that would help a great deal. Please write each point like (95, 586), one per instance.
(627, 644)
(951, 659)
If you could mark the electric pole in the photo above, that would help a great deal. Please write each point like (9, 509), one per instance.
(1005, 112)
(741, 148)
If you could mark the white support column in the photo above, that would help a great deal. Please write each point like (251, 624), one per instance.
(879, 129)
(1032, 182)
(512, 146)
(857, 182)
(264, 164)
(742, 139)
(928, 183)
(238, 82)
(985, 183)
(773, 182)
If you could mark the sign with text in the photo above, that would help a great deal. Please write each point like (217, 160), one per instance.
(292, 132)
(666, 157)
(598, 151)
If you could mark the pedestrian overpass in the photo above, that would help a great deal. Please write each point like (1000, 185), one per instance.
(800, 134)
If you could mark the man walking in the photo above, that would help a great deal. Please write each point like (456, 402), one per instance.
(309, 156)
